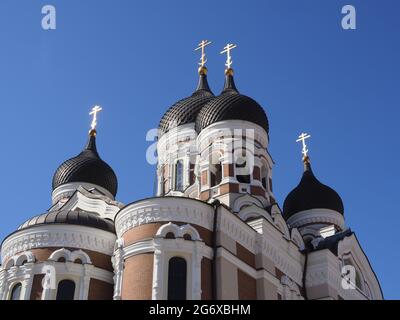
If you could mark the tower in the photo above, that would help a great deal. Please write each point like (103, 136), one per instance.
(216, 147)
(65, 253)
(314, 208)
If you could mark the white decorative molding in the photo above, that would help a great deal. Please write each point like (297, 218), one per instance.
(164, 209)
(237, 229)
(71, 256)
(323, 216)
(19, 260)
(118, 265)
(245, 201)
(54, 235)
(164, 249)
(254, 211)
(296, 237)
(192, 251)
(280, 223)
(178, 231)
(223, 129)
(17, 274)
(324, 269)
(350, 246)
(290, 290)
(68, 189)
(96, 203)
(81, 274)
(284, 253)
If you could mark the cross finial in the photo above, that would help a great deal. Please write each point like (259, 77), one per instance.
(227, 50)
(95, 110)
(303, 138)
(202, 45)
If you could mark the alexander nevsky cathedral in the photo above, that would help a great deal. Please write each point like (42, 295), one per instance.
(214, 231)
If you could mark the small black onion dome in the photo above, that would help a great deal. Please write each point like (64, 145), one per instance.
(231, 105)
(186, 110)
(87, 167)
(311, 194)
(81, 218)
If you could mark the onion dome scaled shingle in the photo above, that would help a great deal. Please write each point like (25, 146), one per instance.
(186, 110)
(311, 194)
(87, 167)
(81, 218)
(231, 105)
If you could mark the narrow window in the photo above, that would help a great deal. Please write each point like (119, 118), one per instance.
(177, 272)
(264, 177)
(16, 292)
(192, 176)
(179, 175)
(242, 170)
(215, 174)
(66, 290)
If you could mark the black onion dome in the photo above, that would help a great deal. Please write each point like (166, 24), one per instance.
(81, 218)
(311, 194)
(231, 105)
(87, 167)
(186, 110)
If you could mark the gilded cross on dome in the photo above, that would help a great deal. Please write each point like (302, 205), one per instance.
(303, 138)
(227, 50)
(202, 45)
(94, 112)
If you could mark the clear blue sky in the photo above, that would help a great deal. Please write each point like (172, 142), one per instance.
(136, 58)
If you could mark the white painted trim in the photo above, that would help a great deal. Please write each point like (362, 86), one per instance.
(58, 235)
(164, 249)
(325, 216)
(70, 256)
(68, 189)
(80, 274)
(164, 209)
(178, 231)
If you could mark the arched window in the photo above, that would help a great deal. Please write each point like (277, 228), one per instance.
(179, 175)
(215, 174)
(170, 235)
(66, 290)
(177, 272)
(187, 236)
(242, 169)
(264, 176)
(16, 292)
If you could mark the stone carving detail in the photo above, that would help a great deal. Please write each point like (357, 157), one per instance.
(70, 237)
(132, 217)
(290, 289)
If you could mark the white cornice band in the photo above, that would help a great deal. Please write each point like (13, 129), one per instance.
(58, 235)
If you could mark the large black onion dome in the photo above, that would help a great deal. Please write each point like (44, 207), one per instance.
(87, 167)
(231, 105)
(186, 110)
(311, 194)
(81, 218)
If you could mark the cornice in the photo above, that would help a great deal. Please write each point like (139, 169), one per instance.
(58, 235)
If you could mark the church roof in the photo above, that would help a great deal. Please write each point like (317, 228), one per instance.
(311, 194)
(231, 105)
(87, 167)
(186, 110)
(71, 217)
